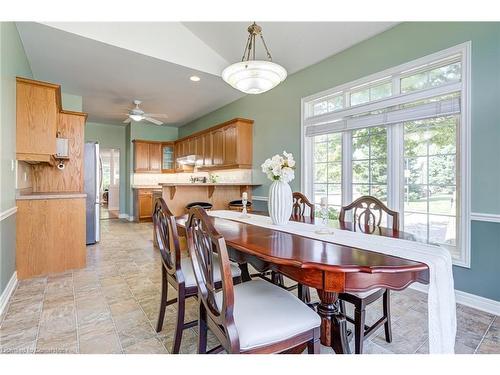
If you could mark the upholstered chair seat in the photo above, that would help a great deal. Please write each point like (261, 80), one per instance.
(265, 314)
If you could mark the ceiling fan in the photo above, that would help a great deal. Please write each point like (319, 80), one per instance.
(137, 114)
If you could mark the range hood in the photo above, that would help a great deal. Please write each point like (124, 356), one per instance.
(187, 160)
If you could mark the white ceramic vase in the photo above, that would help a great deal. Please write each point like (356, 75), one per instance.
(280, 202)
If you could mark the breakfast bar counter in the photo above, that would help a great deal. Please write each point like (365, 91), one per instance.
(178, 195)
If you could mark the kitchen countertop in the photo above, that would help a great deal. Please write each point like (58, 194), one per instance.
(208, 184)
(57, 195)
(157, 186)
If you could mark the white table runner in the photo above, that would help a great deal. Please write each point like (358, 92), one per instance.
(441, 297)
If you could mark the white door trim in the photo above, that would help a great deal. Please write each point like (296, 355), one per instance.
(7, 293)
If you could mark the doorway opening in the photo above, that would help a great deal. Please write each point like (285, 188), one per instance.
(110, 183)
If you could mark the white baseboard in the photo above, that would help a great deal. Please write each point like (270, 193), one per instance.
(9, 289)
(477, 302)
(123, 216)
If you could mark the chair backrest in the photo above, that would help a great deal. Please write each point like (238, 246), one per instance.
(165, 230)
(205, 205)
(208, 249)
(367, 214)
(301, 204)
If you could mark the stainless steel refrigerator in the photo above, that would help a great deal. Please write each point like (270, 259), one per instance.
(93, 178)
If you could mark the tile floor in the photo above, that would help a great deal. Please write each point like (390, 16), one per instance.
(111, 307)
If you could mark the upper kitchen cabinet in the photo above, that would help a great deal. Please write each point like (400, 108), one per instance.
(228, 145)
(148, 156)
(37, 108)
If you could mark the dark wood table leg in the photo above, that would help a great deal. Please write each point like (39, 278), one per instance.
(333, 323)
(245, 275)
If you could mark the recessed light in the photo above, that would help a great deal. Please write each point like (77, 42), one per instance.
(194, 78)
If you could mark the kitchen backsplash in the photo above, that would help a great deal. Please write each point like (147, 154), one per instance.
(234, 175)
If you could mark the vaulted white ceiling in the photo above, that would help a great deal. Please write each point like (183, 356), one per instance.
(110, 64)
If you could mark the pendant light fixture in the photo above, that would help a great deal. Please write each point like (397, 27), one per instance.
(254, 76)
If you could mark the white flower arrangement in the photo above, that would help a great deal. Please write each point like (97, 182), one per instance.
(280, 168)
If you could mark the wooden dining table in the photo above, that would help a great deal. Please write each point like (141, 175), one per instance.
(328, 267)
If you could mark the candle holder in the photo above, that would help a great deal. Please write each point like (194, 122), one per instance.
(323, 227)
(244, 214)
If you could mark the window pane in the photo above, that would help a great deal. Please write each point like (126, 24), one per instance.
(416, 224)
(320, 108)
(415, 142)
(442, 170)
(430, 180)
(432, 77)
(320, 191)
(415, 82)
(334, 194)
(442, 139)
(320, 172)
(379, 171)
(445, 74)
(360, 97)
(335, 147)
(442, 229)
(360, 148)
(335, 103)
(320, 151)
(378, 142)
(334, 172)
(361, 172)
(380, 192)
(442, 200)
(381, 91)
(360, 190)
(416, 170)
(361, 132)
(321, 138)
(415, 198)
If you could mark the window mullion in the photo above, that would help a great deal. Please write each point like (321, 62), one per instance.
(346, 167)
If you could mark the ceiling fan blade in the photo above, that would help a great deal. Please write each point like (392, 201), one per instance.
(154, 121)
(127, 120)
(161, 115)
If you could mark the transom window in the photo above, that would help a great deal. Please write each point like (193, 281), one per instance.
(402, 136)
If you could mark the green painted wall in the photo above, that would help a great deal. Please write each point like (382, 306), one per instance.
(111, 136)
(13, 62)
(72, 102)
(277, 119)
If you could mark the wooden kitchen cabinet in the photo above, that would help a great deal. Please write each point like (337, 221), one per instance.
(50, 236)
(168, 157)
(230, 145)
(155, 157)
(207, 149)
(199, 150)
(218, 147)
(37, 109)
(147, 156)
(144, 205)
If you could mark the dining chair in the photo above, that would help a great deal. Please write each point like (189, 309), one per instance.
(252, 317)
(177, 271)
(302, 208)
(367, 215)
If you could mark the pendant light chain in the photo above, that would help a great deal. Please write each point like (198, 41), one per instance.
(252, 75)
(250, 47)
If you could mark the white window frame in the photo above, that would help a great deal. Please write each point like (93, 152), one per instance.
(395, 176)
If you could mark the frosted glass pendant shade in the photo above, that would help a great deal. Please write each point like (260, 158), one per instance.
(254, 76)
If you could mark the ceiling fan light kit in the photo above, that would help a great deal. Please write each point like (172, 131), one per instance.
(253, 76)
(137, 114)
